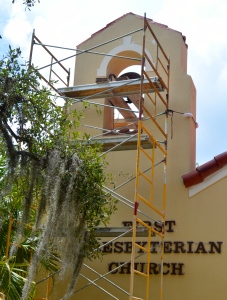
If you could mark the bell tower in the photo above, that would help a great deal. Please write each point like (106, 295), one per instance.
(132, 75)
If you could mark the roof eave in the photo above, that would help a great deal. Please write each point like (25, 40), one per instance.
(205, 170)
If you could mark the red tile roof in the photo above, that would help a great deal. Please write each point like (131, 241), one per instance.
(138, 16)
(203, 171)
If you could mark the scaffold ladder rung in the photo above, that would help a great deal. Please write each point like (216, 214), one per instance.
(151, 206)
(154, 128)
(148, 156)
(150, 228)
(156, 90)
(153, 139)
(141, 273)
(142, 248)
(145, 177)
(162, 82)
(154, 121)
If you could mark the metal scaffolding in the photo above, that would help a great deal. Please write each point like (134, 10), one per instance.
(147, 128)
(154, 208)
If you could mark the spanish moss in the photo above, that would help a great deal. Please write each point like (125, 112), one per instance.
(54, 180)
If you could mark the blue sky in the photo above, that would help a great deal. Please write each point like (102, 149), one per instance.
(204, 22)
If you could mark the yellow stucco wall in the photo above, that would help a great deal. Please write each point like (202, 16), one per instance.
(196, 233)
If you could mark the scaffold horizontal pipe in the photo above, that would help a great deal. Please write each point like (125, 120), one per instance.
(104, 275)
(106, 279)
(118, 144)
(88, 51)
(56, 60)
(96, 46)
(128, 203)
(98, 286)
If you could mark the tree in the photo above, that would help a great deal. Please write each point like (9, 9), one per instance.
(14, 268)
(55, 178)
(28, 3)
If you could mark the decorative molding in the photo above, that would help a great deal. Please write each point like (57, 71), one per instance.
(127, 45)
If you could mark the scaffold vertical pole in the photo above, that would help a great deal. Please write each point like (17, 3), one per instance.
(150, 205)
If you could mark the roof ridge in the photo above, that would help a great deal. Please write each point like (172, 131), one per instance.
(123, 16)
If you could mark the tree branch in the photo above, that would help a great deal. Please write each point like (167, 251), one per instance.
(28, 154)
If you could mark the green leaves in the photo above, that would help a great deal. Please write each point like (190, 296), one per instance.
(13, 276)
(51, 181)
(28, 110)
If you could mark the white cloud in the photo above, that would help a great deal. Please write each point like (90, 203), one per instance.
(223, 74)
(17, 28)
(203, 22)
(68, 23)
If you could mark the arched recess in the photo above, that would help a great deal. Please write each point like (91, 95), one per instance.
(114, 65)
(111, 68)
